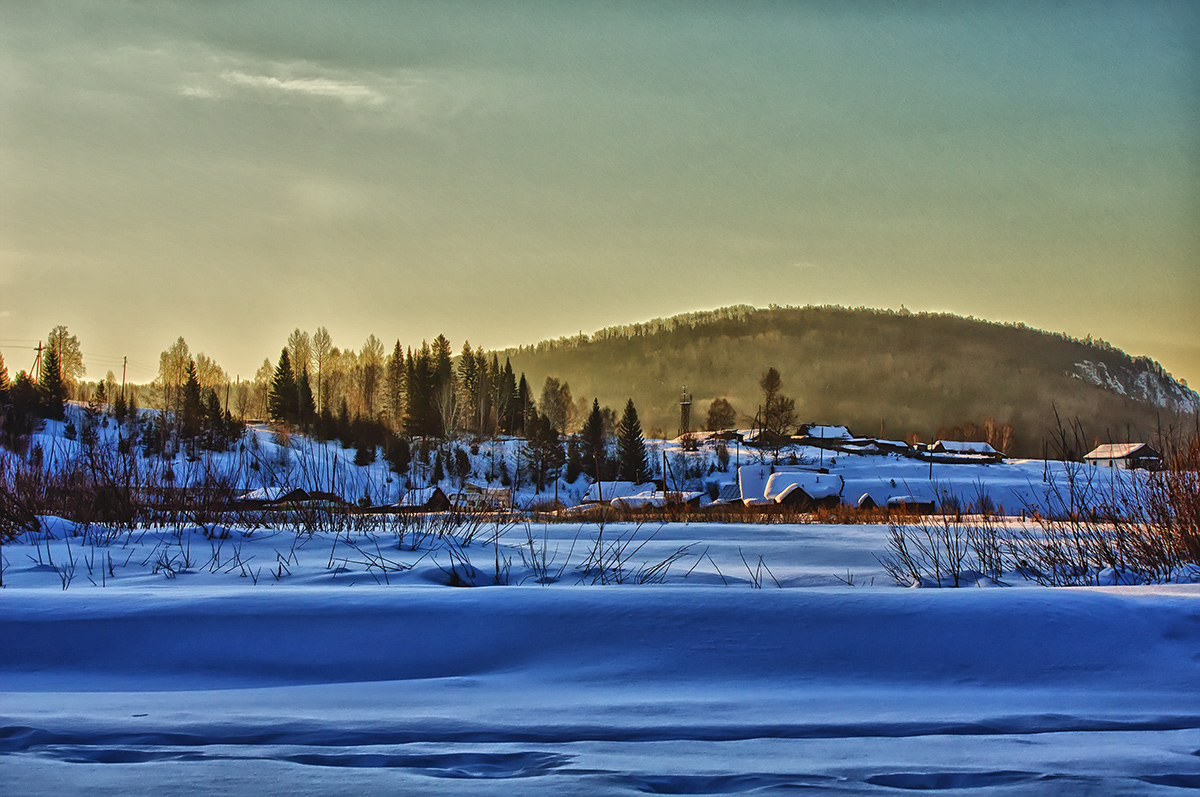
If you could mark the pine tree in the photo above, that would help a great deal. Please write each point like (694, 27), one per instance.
(53, 389)
(215, 434)
(543, 450)
(632, 463)
(364, 452)
(5, 385)
(398, 454)
(306, 406)
(326, 427)
(393, 388)
(191, 411)
(444, 395)
(99, 398)
(505, 398)
(421, 415)
(524, 406)
(484, 397)
(345, 432)
(120, 408)
(20, 416)
(574, 461)
(283, 403)
(592, 448)
(468, 387)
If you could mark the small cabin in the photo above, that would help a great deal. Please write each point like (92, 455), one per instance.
(1127, 456)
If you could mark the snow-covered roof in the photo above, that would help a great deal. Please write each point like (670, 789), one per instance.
(1119, 451)
(964, 447)
(268, 494)
(418, 496)
(607, 491)
(760, 486)
(815, 485)
(697, 437)
(655, 498)
(827, 432)
(728, 491)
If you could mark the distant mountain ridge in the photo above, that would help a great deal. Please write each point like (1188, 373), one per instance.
(878, 371)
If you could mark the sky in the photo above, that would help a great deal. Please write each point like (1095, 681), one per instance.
(506, 172)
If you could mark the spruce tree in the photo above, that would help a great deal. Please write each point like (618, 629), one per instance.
(326, 425)
(468, 387)
(5, 386)
(592, 443)
(215, 434)
(191, 410)
(306, 407)
(632, 463)
(393, 388)
(53, 389)
(21, 415)
(505, 400)
(398, 454)
(524, 401)
(543, 450)
(283, 403)
(120, 408)
(574, 461)
(345, 433)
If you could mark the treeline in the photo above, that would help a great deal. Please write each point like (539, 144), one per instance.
(197, 421)
(895, 374)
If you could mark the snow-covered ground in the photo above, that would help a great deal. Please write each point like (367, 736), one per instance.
(332, 653)
(272, 662)
(265, 461)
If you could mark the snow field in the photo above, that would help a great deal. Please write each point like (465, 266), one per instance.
(325, 681)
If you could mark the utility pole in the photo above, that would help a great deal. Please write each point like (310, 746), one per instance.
(36, 370)
(124, 365)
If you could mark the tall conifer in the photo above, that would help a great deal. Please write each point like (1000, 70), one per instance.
(283, 404)
(591, 443)
(54, 390)
(632, 463)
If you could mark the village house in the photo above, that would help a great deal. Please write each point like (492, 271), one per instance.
(1128, 456)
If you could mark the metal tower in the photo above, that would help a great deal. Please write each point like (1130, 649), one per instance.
(685, 412)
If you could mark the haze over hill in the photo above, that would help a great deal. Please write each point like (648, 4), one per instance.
(874, 370)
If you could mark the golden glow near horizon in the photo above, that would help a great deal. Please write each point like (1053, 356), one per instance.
(508, 172)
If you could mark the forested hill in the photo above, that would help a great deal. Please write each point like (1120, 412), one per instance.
(905, 372)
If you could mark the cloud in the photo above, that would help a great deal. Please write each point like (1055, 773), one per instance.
(348, 91)
(199, 91)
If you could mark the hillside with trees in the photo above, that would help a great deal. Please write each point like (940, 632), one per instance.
(898, 372)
